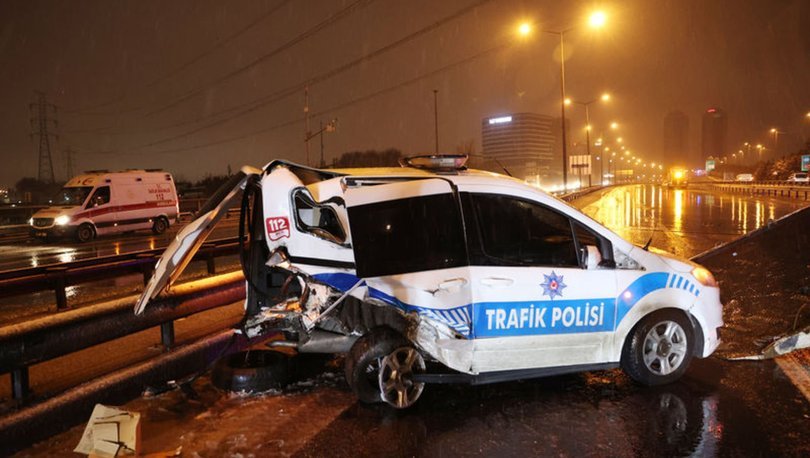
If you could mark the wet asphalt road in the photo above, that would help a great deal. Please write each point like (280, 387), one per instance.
(682, 221)
(34, 252)
(719, 408)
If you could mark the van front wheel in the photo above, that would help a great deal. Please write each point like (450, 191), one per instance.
(85, 233)
(659, 348)
(160, 225)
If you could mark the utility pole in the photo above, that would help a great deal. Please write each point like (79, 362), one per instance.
(307, 132)
(436, 117)
(330, 126)
(43, 116)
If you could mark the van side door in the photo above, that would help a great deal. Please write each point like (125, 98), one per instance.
(100, 210)
(409, 247)
(536, 305)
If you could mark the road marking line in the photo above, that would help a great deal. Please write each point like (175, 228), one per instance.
(796, 365)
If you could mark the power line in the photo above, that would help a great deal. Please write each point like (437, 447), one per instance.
(339, 106)
(249, 107)
(312, 31)
(219, 44)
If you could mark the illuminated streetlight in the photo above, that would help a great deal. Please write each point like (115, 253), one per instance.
(524, 29)
(614, 125)
(605, 97)
(596, 20)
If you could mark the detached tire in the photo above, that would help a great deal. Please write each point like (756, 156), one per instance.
(251, 371)
(363, 362)
(659, 348)
(160, 225)
(85, 233)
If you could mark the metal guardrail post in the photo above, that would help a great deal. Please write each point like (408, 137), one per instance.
(57, 275)
(210, 262)
(19, 383)
(146, 269)
(167, 335)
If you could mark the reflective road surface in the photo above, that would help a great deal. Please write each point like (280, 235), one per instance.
(682, 221)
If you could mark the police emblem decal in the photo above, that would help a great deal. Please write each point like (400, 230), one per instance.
(553, 285)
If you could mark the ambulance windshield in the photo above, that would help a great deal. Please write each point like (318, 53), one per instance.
(73, 195)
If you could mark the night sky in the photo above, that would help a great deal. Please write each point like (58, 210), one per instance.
(195, 86)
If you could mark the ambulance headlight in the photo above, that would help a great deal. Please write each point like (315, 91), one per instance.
(61, 220)
(31, 221)
(703, 276)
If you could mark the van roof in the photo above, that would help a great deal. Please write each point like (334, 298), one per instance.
(96, 177)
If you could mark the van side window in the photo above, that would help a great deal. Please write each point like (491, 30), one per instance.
(517, 232)
(319, 220)
(407, 235)
(585, 237)
(100, 197)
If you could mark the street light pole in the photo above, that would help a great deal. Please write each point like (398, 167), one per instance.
(562, 110)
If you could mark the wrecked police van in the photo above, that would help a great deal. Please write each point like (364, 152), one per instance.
(434, 273)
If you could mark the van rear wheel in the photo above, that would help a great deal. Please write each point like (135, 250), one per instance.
(85, 233)
(160, 225)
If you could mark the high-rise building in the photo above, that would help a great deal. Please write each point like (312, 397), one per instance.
(713, 135)
(676, 140)
(527, 144)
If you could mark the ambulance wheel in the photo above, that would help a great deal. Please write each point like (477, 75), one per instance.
(160, 225)
(365, 359)
(85, 233)
(659, 348)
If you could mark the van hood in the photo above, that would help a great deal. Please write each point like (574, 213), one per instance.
(53, 212)
(677, 264)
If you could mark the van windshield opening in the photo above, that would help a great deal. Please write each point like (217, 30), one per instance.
(74, 195)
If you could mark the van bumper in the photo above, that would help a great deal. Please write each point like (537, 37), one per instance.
(53, 232)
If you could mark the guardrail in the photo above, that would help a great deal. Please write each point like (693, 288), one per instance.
(52, 336)
(766, 188)
(58, 277)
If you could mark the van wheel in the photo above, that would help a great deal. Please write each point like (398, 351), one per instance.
(396, 377)
(659, 348)
(366, 359)
(85, 233)
(160, 225)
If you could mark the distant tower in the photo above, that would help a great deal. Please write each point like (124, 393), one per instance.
(676, 139)
(43, 116)
(713, 135)
(524, 143)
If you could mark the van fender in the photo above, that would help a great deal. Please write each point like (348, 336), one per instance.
(665, 298)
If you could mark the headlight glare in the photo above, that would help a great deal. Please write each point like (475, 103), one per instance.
(61, 220)
(704, 277)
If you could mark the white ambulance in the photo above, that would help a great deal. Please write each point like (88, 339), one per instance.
(433, 273)
(102, 202)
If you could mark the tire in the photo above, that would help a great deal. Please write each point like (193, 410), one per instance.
(659, 348)
(363, 362)
(251, 371)
(85, 233)
(160, 225)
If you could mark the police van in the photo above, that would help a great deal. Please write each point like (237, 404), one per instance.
(434, 273)
(102, 202)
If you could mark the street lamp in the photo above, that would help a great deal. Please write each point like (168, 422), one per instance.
(596, 20)
(775, 133)
(604, 98)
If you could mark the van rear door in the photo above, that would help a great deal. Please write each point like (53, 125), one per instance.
(186, 243)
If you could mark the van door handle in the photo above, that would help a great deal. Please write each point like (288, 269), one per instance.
(497, 282)
(454, 284)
